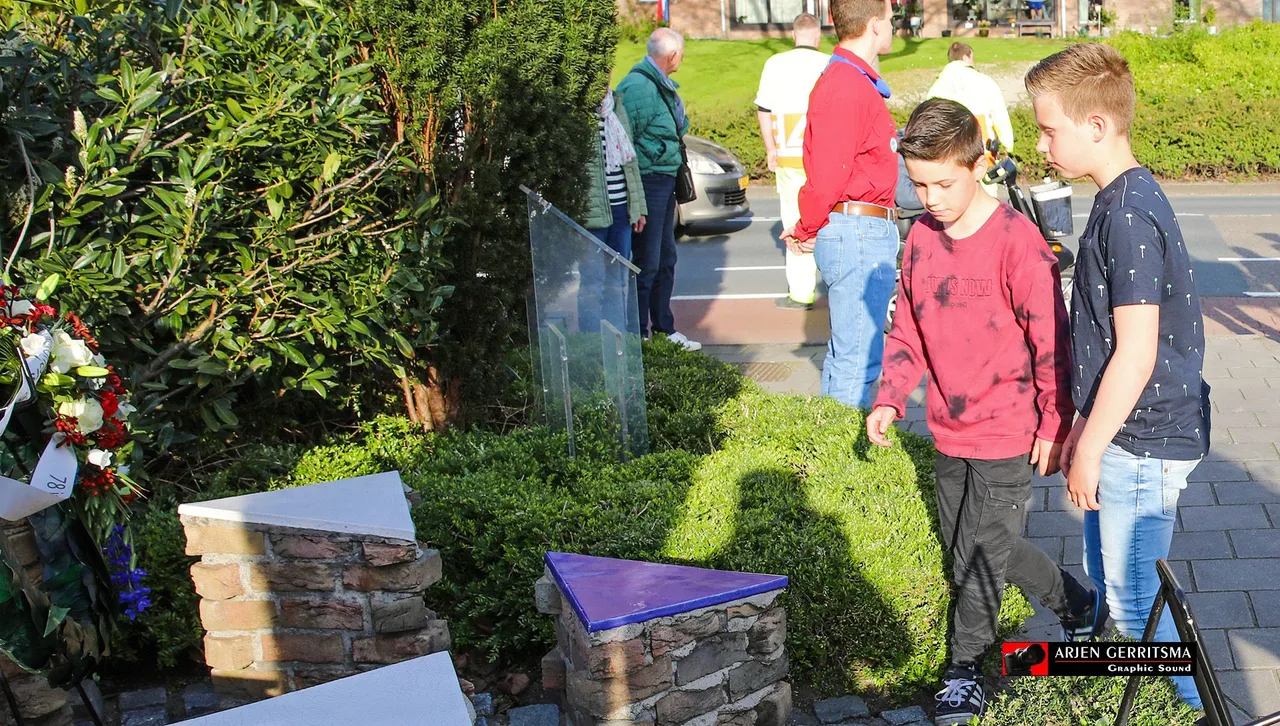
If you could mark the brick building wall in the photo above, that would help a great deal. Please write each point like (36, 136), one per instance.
(703, 18)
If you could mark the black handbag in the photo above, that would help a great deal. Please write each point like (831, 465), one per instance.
(685, 190)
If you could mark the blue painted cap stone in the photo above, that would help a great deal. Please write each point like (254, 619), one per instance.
(608, 593)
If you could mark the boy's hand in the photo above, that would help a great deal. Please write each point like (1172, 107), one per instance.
(878, 423)
(1069, 446)
(1082, 482)
(1047, 454)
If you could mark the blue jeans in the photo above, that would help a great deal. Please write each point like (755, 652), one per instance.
(858, 258)
(617, 235)
(655, 255)
(602, 289)
(1138, 500)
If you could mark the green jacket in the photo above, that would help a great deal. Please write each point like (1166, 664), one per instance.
(599, 215)
(648, 103)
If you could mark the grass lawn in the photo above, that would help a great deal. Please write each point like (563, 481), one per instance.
(722, 75)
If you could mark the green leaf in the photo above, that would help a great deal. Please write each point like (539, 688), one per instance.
(405, 349)
(92, 372)
(57, 614)
(48, 286)
(234, 107)
(331, 164)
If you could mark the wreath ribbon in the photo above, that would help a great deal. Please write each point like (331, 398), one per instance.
(55, 475)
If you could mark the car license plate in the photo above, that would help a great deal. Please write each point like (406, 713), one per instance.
(743, 182)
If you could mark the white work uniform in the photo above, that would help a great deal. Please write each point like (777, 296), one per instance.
(785, 84)
(978, 92)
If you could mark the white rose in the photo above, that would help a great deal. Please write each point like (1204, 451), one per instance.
(86, 411)
(100, 458)
(68, 352)
(20, 307)
(125, 411)
(34, 345)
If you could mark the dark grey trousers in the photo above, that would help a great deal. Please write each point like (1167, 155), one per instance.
(982, 509)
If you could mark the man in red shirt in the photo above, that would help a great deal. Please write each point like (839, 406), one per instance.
(847, 217)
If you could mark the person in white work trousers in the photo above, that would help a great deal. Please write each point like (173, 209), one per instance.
(781, 103)
(978, 92)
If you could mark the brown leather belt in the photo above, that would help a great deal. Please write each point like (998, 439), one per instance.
(864, 209)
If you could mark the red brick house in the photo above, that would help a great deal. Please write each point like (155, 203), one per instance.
(745, 19)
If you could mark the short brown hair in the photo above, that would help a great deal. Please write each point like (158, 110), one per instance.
(851, 17)
(806, 21)
(959, 51)
(942, 130)
(1087, 78)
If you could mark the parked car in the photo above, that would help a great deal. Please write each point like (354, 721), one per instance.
(721, 182)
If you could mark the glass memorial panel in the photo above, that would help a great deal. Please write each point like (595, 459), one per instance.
(584, 330)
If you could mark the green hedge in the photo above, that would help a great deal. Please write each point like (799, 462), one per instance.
(1207, 107)
(790, 486)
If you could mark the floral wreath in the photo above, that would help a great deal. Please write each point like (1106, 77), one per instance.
(61, 396)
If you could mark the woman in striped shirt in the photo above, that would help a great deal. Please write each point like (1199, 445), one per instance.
(615, 204)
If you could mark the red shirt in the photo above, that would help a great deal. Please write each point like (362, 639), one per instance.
(850, 153)
(984, 316)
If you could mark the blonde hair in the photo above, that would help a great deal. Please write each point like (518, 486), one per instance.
(1087, 78)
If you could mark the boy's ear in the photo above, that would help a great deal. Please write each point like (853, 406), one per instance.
(980, 167)
(1099, 126)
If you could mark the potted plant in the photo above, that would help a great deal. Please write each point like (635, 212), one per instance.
(984, 29)
(1106, 19)
(1210, 17)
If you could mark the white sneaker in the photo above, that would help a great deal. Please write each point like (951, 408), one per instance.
(682, 341)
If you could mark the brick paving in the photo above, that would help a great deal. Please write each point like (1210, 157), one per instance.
(1226, 542)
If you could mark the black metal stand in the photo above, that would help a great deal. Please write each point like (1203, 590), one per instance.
(13, 700)
(88, 704)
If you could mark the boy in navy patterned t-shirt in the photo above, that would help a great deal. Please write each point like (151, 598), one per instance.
(1137, 338)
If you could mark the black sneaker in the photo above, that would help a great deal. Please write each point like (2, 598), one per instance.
(1088, 623)
(787, 303)
(961, 699)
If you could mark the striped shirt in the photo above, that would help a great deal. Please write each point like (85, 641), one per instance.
(614, 181)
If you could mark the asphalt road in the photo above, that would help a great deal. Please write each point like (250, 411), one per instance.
(1234, 239)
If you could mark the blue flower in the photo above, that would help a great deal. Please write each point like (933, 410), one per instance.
(126, 579)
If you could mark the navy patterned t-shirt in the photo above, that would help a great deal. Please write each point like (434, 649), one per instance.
(1132, 253)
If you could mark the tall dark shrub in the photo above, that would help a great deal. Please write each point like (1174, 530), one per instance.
(493, 94)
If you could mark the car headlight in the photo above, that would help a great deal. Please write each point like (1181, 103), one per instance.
(699, 164)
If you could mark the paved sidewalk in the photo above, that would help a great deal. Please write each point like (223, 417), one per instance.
(1226, 546)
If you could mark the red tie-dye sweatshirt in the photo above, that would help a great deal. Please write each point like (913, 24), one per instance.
(984, 317)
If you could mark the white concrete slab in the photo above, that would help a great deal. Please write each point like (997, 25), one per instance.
(420, 691)
(370, 505)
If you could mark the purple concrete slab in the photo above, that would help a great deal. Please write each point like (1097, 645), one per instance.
(608, 593)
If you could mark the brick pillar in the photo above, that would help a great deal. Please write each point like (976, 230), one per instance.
(40, 703)
(286, 608)
(724, 664)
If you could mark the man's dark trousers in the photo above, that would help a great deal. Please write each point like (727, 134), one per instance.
(655, 254)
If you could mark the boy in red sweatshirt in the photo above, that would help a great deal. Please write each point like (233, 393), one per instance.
(981, 310)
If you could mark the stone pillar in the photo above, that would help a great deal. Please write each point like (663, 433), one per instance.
(286, 607)
(722, 664)
(40, 703)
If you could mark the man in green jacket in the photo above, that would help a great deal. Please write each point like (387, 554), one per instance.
(659, 122)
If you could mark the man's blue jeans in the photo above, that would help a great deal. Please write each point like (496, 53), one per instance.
(655, 255)
(858, 258)
(1138, 500)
